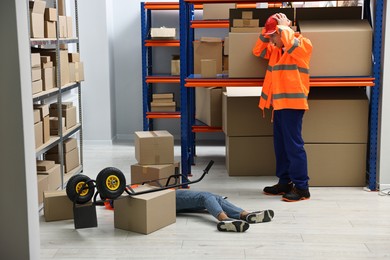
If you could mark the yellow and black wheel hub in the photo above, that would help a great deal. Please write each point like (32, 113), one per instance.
(113, 182)
(79, 186)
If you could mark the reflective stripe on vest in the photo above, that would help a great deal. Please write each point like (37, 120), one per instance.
(295, 45)
(289, 95)
(288, 67)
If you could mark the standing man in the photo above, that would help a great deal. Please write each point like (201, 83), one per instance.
(286, 88)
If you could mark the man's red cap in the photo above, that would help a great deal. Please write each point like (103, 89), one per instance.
(270, 25)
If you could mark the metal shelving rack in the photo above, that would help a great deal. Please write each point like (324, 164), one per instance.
(58, 91)
(149, 80)
(188, 81)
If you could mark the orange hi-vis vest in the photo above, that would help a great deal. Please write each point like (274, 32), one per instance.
(286, 83)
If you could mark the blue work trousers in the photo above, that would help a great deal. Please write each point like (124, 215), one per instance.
(189, 200)
(291, 160)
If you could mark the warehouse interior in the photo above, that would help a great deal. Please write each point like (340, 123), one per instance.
(328, 225)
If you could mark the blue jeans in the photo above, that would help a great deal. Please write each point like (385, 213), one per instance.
(291, 161)
(189, 200)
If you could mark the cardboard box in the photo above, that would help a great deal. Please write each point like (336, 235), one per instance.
(246, 30)
(37, 86)
(245, 23)
(76, 72)
(241, 116)
(37, 10)
(154, 147)
(44, 165)
(163, 97)
(163, 32)
(42, 182)
(145, 213)
(336, 115)
(63, 26)
(209, 106)
(70, 144)
(63, 63)
(336, 164)
(46, 129)
(80, 75)
(163, 106)
(54, 177)
(175, 67)
(35, 60)
(242, 62)
(208, 48)
(208, 68)
(50, 29)
(37, 115)
(57, 206)
(43, 110)
(64, 105)
(70, 115)
(217, 11)
(250, 156)
(329, 57)
(143, 173)
(38, 131)
(51, 14)
(48, 78)
(71, 160)
(74, 57)
(35, 73)
(247, 15)
(69, 27)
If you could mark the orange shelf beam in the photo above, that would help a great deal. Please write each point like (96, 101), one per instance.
(210, 24)
(162, 5)
(205, 129)
(156, 115)
(166, 43)
(162, 79)
(314, 82)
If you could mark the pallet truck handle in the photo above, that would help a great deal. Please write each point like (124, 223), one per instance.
(208, 166)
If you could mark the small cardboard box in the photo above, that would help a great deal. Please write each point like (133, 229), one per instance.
(46, 128)
(35, 73)
(48, 78)
(74, 57)
(38, 131)
(241, 116)
(145, 173)
(154, 147)
(37, 10)
(50, 29)
(70, 144)
(250, 156)
(37, 115)
(163, 32)
(208, 48)
(69, 27)
(70, 115)
(208, 68)
(175, 67)
(42, 181)
(37, 86)
(329, 58)
(63, 26)
(245, 23)
(242, 62)
(54, 177)
(43, 110)
(145, 213)
(57, 206)
(44, 165)
(51, 14)
(71, 160)
(217, 11)
(163, 106)
(162, 98)
(35, 60)
(209, 106)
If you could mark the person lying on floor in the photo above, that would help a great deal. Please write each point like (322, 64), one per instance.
(231, 218)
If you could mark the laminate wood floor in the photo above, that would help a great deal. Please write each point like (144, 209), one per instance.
(336, 223)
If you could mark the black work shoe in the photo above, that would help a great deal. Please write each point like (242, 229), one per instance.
(259, 216)
(296, 195)
(232, 225)
(278, 189)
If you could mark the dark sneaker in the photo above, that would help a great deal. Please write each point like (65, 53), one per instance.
(260, 216)
(232, 225)
(296, 195)
(278, 189)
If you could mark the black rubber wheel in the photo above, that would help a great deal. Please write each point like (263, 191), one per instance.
(73, 188)
(111, 183)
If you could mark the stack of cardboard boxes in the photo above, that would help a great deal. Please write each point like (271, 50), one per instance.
(37, 12)
(49, 176)
(36, 73)
(208, 56)
(69, 117)
(149, 212)
(163, 103)
(42, 130)
(50, 24)
(71, 154)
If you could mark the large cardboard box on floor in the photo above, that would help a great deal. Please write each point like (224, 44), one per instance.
(144, 173)
(208, 48)
(57, 206)
(336, 164)
(209, 106)
(242, 62)
(153, 147)
(336, 115)
(217, 11)
(54, 177)
(145, 213)
(250, 156)
(241, 116)
(330, 58)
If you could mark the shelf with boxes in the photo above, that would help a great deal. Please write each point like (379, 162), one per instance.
(152, 81)
(326, 75)
(57, 72)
